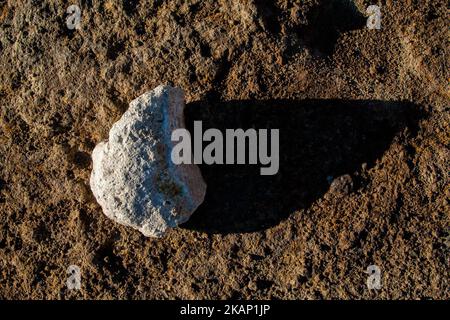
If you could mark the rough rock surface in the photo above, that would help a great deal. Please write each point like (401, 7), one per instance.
(133, 177)
(61, 90)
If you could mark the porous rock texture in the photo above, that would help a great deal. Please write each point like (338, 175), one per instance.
(133, 177)
(61, 90)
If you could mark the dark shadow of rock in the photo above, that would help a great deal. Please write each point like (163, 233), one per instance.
(318, 139)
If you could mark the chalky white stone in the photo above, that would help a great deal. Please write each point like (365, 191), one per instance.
(133, 177)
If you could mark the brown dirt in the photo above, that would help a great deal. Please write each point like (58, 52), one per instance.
(369, 106)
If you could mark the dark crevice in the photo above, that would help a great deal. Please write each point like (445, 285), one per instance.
(325, 23)
(130, 6)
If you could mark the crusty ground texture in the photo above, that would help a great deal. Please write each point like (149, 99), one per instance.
(61, 90)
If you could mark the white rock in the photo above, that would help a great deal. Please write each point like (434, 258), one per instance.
(133, 177)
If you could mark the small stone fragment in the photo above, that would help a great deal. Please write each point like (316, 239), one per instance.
(342, 185)
(133, 177)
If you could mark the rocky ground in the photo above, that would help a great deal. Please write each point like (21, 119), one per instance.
(364, 128)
